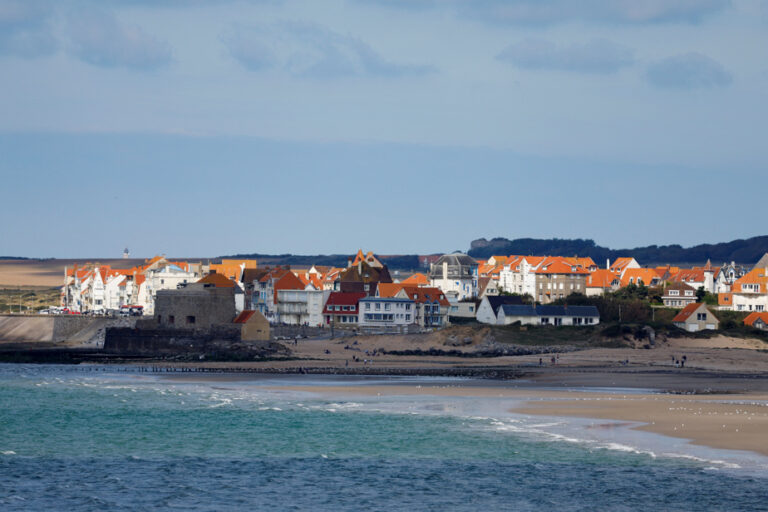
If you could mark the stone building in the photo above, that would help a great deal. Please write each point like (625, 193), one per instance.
(456, 275)
(253, 326)
(197, 306)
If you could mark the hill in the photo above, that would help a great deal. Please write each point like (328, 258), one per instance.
(741, 251)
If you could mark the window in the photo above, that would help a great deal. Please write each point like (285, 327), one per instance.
(674, 293)
(352, 308)
(171, 319)
(407, 307)
(190, 319)
(407, 318)
(378, 306)
(345, 308)
(367, 306)
(689, 293)
(701, 317)
(162, 281)
(387, 306)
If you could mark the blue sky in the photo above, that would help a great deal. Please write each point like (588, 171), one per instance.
(208, 127)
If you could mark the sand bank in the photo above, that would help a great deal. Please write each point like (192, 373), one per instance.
(732, 421)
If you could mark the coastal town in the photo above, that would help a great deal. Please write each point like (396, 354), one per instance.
(365, 295)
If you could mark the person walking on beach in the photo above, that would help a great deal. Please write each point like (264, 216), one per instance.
(541, 363)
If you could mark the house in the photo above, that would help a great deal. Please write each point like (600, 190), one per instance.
(696, 317)
(757, 320)
(386, 312)
(646, 276)
(678, 295)
(697, 277)
(729, 273)
(342, 308)
(417, 279)
(265, 291)
(620, 265)
(548, 315)
(253, 326)
(555, 279)
(750, 292)
(363, 276)
(487, 311)
(232, 269)
(601, 281)
(456, 275)
(725, 301)
(301, 307)
(431, 305)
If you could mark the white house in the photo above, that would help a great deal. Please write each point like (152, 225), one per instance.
(301, 307)
(488, 309)
(548, 315)
(386, 312)
(456, 275)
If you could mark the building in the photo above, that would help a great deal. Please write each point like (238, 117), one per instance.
(301, 307)
(456, 275)
(696, 317)
(432, 307)
(750, 292)
(548, 315)
(386, 312)
(678, 295)
(620, 265)
(601, 281)
(555, 279)
(638, 276)
(265, 292)
(487, 311)
(342, 308)
(197, 306)
(363, 275)
(757, 320)
(253, 326)
(220, 281)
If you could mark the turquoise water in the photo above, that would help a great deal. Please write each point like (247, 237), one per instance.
(74, 440)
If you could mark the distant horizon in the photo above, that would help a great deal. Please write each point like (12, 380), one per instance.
(331, 254)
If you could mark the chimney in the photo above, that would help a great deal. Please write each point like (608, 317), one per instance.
(607, 264)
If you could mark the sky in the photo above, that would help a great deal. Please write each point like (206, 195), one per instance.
(214, 127)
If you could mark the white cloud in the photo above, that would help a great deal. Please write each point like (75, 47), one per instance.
(309, 50)
(688, 71)
(595, 56)
(99, 39)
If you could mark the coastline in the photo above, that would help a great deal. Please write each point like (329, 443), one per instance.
(720, 421)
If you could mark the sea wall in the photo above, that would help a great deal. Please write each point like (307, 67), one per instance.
(159, 342)
(70, 329)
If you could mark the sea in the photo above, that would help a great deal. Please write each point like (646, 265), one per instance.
(106, 438)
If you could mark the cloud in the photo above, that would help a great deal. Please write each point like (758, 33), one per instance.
(25, 29)
(538, 12)
(595, 56)
(688, 71)
(99, 39)
(310, 50)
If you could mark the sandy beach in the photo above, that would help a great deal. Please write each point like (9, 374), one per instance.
(731, 421)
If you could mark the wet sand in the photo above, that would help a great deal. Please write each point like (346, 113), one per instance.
(730, 421)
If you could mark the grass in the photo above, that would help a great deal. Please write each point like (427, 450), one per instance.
(31, 298)
(588, 336)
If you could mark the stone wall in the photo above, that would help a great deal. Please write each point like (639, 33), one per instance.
(194, 307)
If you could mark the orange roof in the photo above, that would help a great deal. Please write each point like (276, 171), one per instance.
(418, 279)
(583, 262)
(218, 280)
(688, 275)
(555, 265)
(634, 275)
(755, 276)
(754, 316)
(620, 263)
(600, 278)
(389, 289)
(724, 299)
(422, 294)
(687, 311)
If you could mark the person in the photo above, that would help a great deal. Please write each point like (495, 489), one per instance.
(346, 362)
(541, 362)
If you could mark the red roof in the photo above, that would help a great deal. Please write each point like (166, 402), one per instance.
(244, 316)
(754, 316)
(422, 294)
(218, 280)
(343, 299)
(687, 311)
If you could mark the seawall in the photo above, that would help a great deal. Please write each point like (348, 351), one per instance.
(74, 330)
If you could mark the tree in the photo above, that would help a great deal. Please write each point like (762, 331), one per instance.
(700, 294)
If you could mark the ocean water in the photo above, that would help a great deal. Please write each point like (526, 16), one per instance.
(75, 440)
